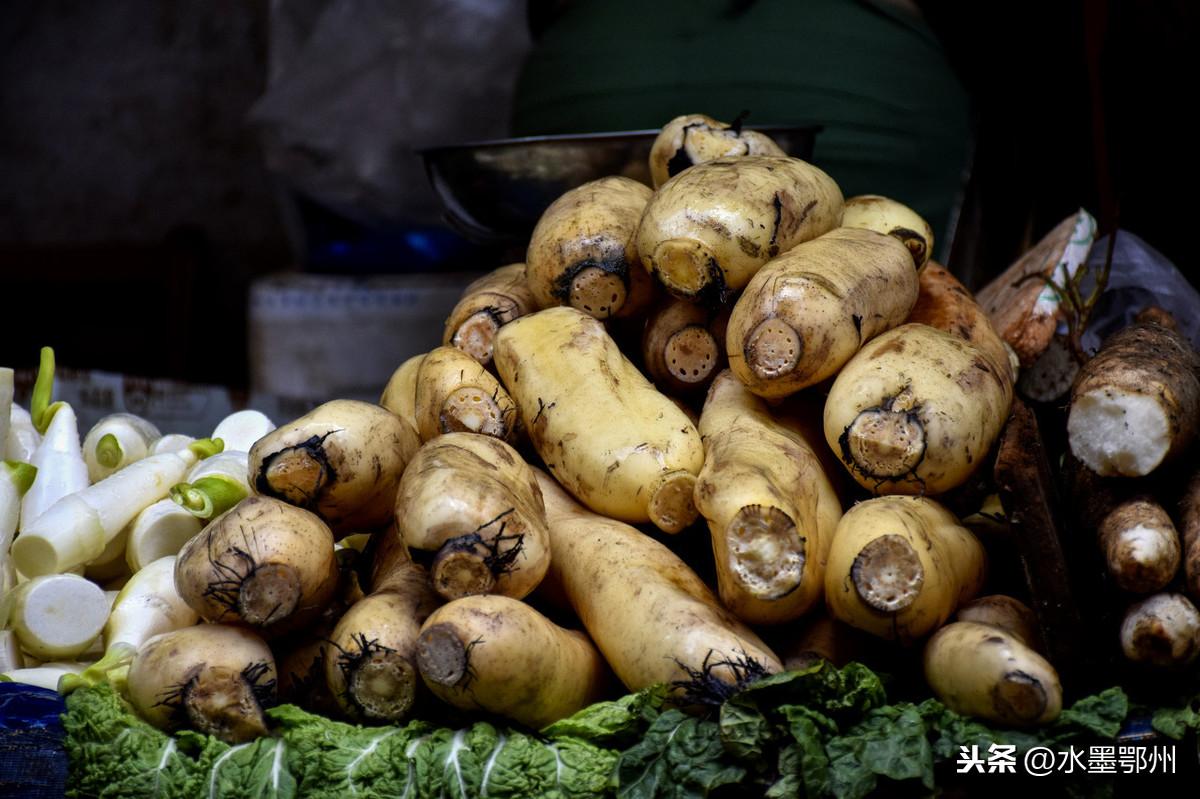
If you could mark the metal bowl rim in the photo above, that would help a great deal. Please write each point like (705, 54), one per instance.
(587, 137)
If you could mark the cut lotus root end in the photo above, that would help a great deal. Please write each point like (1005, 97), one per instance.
(222, 703)
(691, 354)
(887, 574)
(297, 474)
(470, 409)
(476, 336)
(441, 655)
(597, 292)
(684, 267)
(885, 444)
(773, 349)
(765, 551)
(1020, 697)
(269, 594)
(460, 570)
(672, 507)
(384, 687)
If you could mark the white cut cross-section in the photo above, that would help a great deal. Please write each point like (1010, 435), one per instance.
(1118, 433)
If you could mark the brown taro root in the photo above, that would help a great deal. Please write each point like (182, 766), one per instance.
(1189, 524)
(1162, 630)
(1136, 404)
(1140, 545)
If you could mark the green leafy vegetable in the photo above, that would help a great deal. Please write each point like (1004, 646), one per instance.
(890, 742)
(820, 732)
(115, 754)
(606, 722)
(1174, 722)
(1098, 716)
(680, 757)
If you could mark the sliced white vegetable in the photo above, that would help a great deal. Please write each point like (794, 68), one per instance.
(23, 437)
(6, 404)
(10, 653)
(158, 531)
(240, 430)
(60, 465)
(146, 606)
(77, 528)
(115, 441)
(172, 442)
(57, 616)
(214, 485)
(45, 676)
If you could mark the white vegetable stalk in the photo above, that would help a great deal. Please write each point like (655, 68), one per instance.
(15, 480)
(159, 531)
(172, 442)
(115, 441)
(10, 652)
(77, 528)
(240, 430)
(60, 465)
(58, 458)
(45, 676)
(8, 574)
(56, 617)
(214, 485)
(23, 437)
(6, 404)
(146, 606)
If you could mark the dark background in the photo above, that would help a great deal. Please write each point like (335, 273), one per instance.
(136, 209)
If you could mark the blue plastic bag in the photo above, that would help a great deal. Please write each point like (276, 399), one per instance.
(33, 762)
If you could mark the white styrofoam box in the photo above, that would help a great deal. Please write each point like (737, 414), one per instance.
(313, 337)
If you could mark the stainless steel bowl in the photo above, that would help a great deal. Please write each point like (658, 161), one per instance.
(495, 191)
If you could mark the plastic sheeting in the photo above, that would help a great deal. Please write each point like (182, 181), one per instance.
(1141, 276)
(355, 85)
(33, 763)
